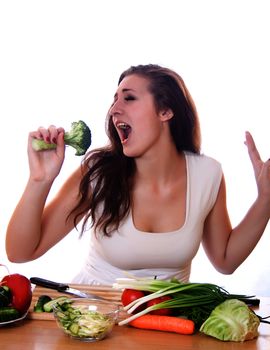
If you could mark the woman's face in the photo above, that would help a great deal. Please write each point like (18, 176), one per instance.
(134, 116)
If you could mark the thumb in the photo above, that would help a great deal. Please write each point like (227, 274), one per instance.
(60, 144)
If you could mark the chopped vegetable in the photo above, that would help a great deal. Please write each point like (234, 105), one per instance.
(164, 323)
(48, 307)
(42, 300)
(232, 320)
(79, 137)
(194, 301)
(80, 322)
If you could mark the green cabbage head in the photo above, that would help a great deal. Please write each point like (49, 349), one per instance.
(232, 320)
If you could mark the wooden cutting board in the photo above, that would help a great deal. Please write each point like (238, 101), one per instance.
(103, 291)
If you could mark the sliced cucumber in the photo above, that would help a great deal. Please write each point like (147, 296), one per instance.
(83, 323)
(74, 328)
(42, 300)
(48, 307)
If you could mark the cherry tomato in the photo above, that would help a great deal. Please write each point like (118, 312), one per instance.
(20, 287)
(165, 311)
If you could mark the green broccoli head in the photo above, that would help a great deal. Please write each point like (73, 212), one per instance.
(79, 137)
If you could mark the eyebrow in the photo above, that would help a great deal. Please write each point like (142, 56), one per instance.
(123, 90)
(126, 90)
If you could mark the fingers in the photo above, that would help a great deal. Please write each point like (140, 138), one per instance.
(261, 169)
(49, 135)
(252, 149)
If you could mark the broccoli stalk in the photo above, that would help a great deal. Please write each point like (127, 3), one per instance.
(79, 137)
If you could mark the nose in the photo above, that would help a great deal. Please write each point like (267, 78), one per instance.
(116, 108)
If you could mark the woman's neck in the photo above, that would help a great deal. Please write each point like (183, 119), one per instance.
(160, 168)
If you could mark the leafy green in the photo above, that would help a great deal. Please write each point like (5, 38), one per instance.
(232, 320)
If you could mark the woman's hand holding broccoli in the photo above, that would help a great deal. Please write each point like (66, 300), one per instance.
(47, 165)
(79, 137)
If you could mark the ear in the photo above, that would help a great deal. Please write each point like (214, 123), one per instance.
(166, 115)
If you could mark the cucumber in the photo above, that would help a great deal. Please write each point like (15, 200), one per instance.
(83, 323)
(42, 300)
(8, 313)
(5, 296)
(74, 328)
(48, 307)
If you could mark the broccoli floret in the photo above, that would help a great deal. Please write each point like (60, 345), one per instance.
(79, 137)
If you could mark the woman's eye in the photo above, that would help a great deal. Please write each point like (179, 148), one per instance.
(129, 98)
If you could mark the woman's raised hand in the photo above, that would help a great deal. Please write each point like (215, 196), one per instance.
(45, 165)
(261, 168)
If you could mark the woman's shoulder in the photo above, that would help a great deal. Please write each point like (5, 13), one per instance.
(202, 160)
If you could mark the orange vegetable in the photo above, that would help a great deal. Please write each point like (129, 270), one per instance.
(164, 323)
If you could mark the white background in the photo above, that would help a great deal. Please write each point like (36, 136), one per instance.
(60, 62)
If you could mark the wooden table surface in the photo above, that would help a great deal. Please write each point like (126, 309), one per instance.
(40, 332)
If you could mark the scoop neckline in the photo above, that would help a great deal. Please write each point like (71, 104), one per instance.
(187, 207)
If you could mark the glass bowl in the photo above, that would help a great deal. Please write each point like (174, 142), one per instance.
(86, 319)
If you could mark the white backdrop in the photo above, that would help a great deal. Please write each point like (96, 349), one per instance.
(60, 61)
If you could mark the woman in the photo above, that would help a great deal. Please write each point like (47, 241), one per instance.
(150, 197)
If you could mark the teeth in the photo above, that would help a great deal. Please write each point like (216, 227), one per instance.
(123, 126)
(125, 130)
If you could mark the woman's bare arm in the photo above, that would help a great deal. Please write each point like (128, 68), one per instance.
(34, 228)
(227, 248)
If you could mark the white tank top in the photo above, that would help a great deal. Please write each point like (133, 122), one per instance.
(157, 255)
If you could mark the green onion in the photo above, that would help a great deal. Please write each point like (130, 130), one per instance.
(198, 299)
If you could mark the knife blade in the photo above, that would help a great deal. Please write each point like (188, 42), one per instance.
(62, 287)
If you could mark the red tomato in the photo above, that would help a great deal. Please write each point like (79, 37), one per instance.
(164, 312)
(20, 287)
(129, 295)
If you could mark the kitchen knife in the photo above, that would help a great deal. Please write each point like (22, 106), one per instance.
(62, 287)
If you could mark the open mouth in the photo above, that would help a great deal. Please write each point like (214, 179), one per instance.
(124, 131)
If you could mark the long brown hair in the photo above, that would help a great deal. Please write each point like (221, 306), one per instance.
(104, 195)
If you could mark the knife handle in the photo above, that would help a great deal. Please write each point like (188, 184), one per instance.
(49, 284)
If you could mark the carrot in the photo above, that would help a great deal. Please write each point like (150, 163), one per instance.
(164, 323)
